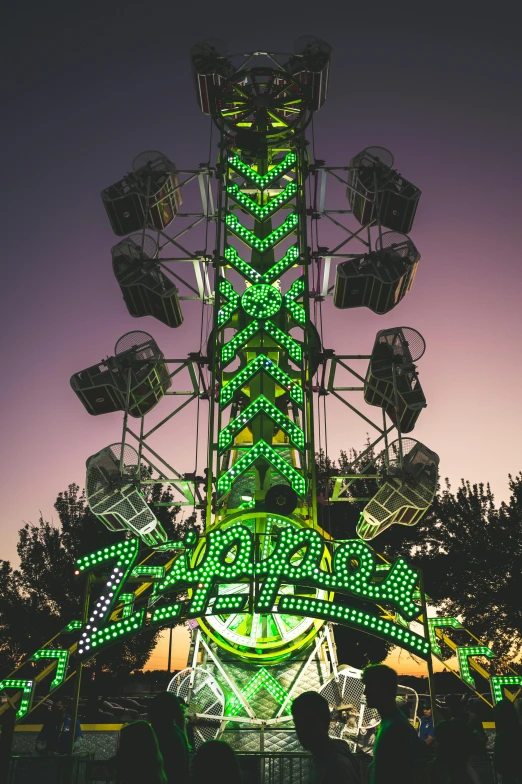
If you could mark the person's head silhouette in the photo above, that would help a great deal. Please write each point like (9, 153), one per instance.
(506, 717)
(380, 688)
(452, 743)
(166, 708)
(138, 758)
(454, 705)
(311, 714)
(213, 759)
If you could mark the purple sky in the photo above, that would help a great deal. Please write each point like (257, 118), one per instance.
(89, 89)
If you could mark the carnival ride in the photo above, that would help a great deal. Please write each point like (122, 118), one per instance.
(259, 585)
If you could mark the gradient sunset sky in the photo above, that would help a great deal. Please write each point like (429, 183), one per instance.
(88, 88)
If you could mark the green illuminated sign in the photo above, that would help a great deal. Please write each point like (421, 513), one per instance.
(227, 557)
(499, 681)
(262, 449)
(261, 182)
(230, 349)
(297, 312)
(261, 680)
(440, 623)
(262, 245)
(262, 213)
(27, 688)
(62, 658)
(72, 626)
(261, 301)
(261, 364)
(261, 406)
(227, 291)
(276, 270)
(464, 654)
(123, 554)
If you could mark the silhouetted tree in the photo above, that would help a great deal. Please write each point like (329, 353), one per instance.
(40, 597)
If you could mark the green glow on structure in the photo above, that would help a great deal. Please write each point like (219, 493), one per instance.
(261, 406)
(262, 245)
(263, 181)
(261, 680)
(464, 654)
(499, 681)
(168, 546)
(262, 449)
(295, 351)
(318, 608)
(72, 626)
(27, 687)
(230, 603)
(154, 572)
(262, 213)
(261, 301)
(440, 623)
(124, 554)
(276, 270)
(170, 611)
(265, 365)
(112, 631)
(128, 604)
(227, 291)
(123, 551)
(296, 311)
(229, 350)
(353, 571)
(62, 658)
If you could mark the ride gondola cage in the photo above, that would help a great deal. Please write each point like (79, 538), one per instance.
(311, 66)
(149, 196)
(391, 380)
(380, 279)
(210, 68)
(377, 192)
(113, 495)
(137, 370)
(146, 289)
(408, 486)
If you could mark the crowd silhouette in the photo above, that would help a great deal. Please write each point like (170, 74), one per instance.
(452, 749)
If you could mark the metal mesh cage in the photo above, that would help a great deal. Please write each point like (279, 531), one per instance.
(407, 490)
(311, 66)
(210, 68)
(399, 243)
(379, 279)
(152, 161)
(350, 715)
(147, 244)
(113, 495)
(149, 196)
(377, 192)
(205, 698)
(99, 388)
(372, 156)
(391, 380)
(142, 345)
(374, 160)
(138, 371)
(146, 290)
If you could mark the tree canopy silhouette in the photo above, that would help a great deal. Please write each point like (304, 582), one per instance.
(41, 596)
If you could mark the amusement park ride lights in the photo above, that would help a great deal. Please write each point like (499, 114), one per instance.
(264, 583)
